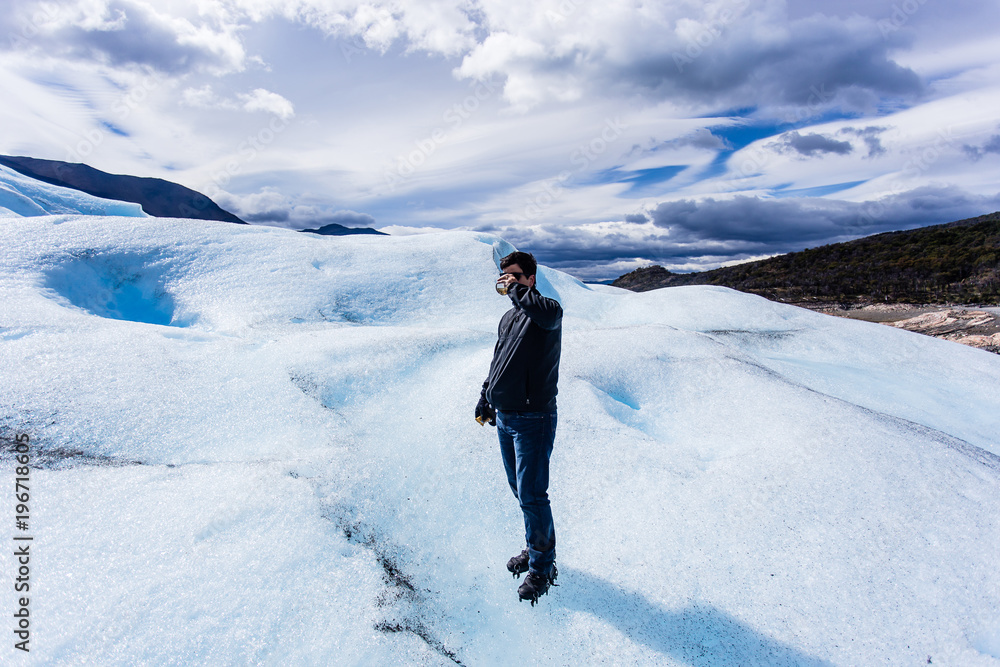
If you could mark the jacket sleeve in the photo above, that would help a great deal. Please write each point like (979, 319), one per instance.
(545, 312)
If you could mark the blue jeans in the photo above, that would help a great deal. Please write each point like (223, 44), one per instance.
(526, 444)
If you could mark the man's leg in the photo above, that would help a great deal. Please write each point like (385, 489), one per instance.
(507, 453)
(534, 434)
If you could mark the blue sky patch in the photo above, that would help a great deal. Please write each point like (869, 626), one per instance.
(114, 129)
(643, 181)
(818, 191)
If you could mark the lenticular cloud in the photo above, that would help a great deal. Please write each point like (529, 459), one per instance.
(254, 445)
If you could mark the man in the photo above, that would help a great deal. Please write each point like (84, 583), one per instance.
(519, 398)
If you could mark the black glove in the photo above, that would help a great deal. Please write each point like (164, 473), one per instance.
(485, 413)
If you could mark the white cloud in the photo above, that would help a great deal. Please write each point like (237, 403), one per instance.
(439, 27)
(257, 100)
(205, 98)
(265, 100)
(401, 230)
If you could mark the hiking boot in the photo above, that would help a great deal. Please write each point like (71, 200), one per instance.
(536, 584)
(518, 564)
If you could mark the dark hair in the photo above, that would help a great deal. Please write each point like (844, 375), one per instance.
(523, 259)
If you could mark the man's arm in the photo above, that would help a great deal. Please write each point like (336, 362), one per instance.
(545, 312)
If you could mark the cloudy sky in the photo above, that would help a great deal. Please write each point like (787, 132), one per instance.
(600, 135)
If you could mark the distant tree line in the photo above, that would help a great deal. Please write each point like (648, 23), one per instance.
(958, 262)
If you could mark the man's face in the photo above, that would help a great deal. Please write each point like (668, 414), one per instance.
(517, 276)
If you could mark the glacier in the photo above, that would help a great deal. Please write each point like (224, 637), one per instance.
(251, 445)
(23, 196)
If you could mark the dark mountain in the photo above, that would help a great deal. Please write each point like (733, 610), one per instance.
(339, 230)
(958, 262)
(159, 198)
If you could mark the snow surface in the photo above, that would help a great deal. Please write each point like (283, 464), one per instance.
(257, 446)
(23, 196)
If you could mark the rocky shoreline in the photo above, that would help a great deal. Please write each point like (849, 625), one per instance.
(976, 326)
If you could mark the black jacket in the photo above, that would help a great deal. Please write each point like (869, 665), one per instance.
(525, 368)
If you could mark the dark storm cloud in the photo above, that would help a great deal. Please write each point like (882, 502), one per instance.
(977, 152)
(779, 224)
(346, 218)
(870, 135)
(710, 232)
(272, 207)
(636, 217)
(273, 215)
(308, 216)
(700, 138)
(122, 34)
(703, 138)
(818, 63)
(812, 144)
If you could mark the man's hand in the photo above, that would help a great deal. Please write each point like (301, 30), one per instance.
(506, 279)
(485, 413)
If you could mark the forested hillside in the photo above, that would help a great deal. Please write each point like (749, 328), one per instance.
(957, 262)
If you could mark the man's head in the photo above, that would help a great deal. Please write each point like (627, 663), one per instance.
(522, 265)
